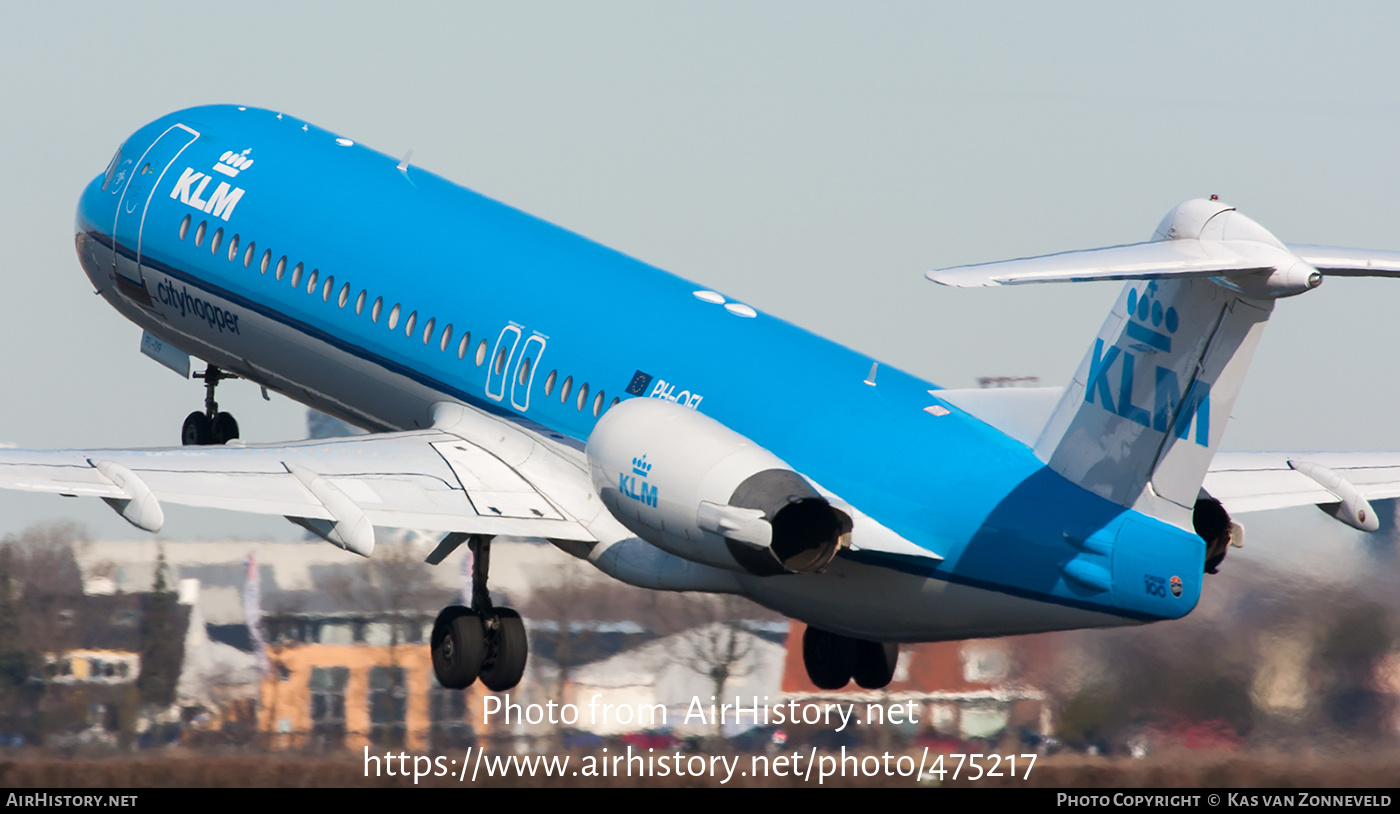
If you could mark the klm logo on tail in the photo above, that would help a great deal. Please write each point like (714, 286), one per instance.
(1150, 330)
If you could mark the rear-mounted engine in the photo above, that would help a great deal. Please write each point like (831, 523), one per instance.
(689, 485)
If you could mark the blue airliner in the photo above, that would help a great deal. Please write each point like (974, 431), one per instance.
(489, 354)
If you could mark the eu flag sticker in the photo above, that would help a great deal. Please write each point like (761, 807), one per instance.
(639, 383)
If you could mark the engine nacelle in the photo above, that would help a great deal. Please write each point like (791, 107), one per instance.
(689, 485)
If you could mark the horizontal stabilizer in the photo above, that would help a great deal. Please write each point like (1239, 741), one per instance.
(1342, 262)
(1136, 261)
(1198, 238)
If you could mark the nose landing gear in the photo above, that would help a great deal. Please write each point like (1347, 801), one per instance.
(210, 426)
(481, 641)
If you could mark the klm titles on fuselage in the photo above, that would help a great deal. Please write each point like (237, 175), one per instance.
(190, 187)
(640, 491)
(1170, 410)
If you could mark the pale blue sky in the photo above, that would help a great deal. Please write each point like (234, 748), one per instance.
(811, 159)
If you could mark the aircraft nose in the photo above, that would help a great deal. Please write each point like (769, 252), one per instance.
(96, 213)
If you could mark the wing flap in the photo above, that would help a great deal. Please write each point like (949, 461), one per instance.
(431, 480)
(1257, 481)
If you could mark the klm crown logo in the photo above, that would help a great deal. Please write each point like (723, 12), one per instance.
(231, 163)
(1147, 320)
(192, 186)
(640, 491)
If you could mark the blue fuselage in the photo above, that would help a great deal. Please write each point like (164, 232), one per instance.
(319, 268)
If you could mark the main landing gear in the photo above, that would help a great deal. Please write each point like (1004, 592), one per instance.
(833, 660)
(480, 641)
(210, 426)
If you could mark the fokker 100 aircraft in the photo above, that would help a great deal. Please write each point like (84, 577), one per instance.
(478, 346)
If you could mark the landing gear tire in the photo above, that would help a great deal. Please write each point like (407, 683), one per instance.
(875, 663)
(830, 659)
(210, 426)
(224, 428)
(480, 641)
(511, 649)
(459, 647)
(197, 431)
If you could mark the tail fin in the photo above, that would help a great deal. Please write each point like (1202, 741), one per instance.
(1145, 412)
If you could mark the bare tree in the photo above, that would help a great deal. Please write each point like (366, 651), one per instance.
(567, 614)
(395, 586)
(42, 591)
(716, 645)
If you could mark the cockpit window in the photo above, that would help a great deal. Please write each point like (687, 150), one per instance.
(112, 169)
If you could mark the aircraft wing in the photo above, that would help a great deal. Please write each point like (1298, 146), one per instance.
(339, 488)
(1340, 483)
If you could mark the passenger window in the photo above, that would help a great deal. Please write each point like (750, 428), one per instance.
(480, 352)
(248, 255)
(281, 267)
(598, 404)
(296, 275)
(524, 370)
(447, 340)
(378, 307)
(311, 281)
(582, 396)
(266, 261)
(360, 302)
(344, 294)
(464, 344)
(614, 402)
(410, 324)
(199, 233)
(327, 289)
(501, 360)
(184, 227)
(428, 331)
(549, 382)
(232, 248)
(394, 316)
(564, 391)
(217, 239)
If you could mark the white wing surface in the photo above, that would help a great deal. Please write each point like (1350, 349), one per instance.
(1341, 483)
(1137, 261)
(1342, 262)
(434, 479)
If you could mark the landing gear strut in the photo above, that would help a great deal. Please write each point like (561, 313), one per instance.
(481, 641)
(210, 426)
(833, 660)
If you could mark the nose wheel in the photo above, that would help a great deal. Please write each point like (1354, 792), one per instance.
(210, 426)
(480, 641)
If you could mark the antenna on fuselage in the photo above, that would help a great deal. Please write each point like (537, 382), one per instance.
(403, 165)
